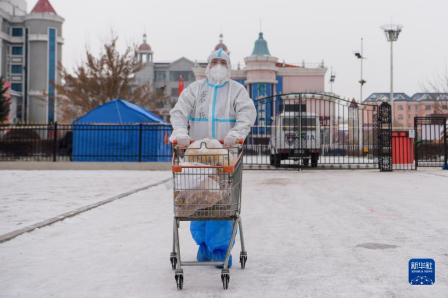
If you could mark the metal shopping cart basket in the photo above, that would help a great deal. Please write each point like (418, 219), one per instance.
(207, 187)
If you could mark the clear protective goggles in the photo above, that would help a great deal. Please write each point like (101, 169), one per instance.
(216, 61)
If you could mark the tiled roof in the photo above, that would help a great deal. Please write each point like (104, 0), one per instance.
(402, 97)
(44, 6)
(429, 96)
(398, 96)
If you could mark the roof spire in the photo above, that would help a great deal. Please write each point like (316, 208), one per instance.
(221, 44)
(44, 6)
(144, 47)
(261, 47)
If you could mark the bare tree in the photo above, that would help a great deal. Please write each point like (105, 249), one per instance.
(4, 102)
(437, 89)
(98, 80)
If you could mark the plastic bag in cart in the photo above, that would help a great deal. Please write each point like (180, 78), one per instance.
(199, 189)
(209, 152)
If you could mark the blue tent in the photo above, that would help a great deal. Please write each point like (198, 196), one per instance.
(121, 132)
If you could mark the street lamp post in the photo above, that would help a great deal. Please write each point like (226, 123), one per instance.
(392, 31)
(360, 56)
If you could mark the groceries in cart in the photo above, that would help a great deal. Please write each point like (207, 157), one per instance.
(204, 192)
(209, 152)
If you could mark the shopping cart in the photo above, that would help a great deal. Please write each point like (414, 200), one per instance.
(207, 192)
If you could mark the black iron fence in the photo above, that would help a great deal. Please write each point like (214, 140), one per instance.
(86, 142)
(291, 131)
(431, 141)
(308, 130)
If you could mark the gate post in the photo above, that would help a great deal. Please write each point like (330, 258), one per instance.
(55, 141)
(416, 142)
(385, 137)
(445, 165)
(140, 143)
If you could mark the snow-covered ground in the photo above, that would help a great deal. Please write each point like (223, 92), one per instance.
(308, 234)
(28, 197)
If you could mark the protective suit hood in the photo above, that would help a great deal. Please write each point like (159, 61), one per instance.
(222, 55)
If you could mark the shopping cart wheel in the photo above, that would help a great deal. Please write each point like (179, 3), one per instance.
(243, 259)
(179, 276)
(173, 260)
(179, 281)
(225, 277)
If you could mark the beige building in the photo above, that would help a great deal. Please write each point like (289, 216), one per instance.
(406, 107)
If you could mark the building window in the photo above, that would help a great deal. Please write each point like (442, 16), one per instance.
(409, 117)
(17, 31)
(186, 76)
(444, 107)
(416, 108)
(400, 107)
(16, 87)
(400, 116)
(174, 92)
(428, 107)
(159, 76)
(16, 69)
(17, 50)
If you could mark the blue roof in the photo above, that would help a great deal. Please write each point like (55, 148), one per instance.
(119, 111)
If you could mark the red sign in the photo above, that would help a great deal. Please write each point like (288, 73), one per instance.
(324, 121)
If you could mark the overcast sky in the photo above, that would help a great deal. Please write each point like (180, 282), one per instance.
(295, 30)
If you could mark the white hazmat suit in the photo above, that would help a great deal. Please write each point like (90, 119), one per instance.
(217, 108)
(214, 108)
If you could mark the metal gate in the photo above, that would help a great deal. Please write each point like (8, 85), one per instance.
(309, 130)
(430, 141)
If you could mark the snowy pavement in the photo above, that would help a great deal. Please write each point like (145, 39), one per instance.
(28, 197)
(308, 234)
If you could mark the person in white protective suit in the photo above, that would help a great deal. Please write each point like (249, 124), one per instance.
(216, 108)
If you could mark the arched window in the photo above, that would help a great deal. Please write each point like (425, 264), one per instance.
(400, 116)
(400, 107)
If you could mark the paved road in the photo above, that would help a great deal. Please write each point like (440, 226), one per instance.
(315, 233)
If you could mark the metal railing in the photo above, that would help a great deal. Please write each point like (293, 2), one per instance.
(142, 142)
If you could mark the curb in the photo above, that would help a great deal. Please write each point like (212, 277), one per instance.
(16, 233)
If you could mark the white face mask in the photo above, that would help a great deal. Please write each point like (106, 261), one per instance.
(218, 72)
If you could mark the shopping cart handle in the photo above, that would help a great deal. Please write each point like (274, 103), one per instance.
(175, 142)
(239, 141)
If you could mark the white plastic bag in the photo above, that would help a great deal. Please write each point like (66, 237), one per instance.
(209, 152)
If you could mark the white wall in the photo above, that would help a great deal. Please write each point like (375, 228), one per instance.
(14, 7)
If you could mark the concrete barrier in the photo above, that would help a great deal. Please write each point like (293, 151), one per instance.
(45, 165)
